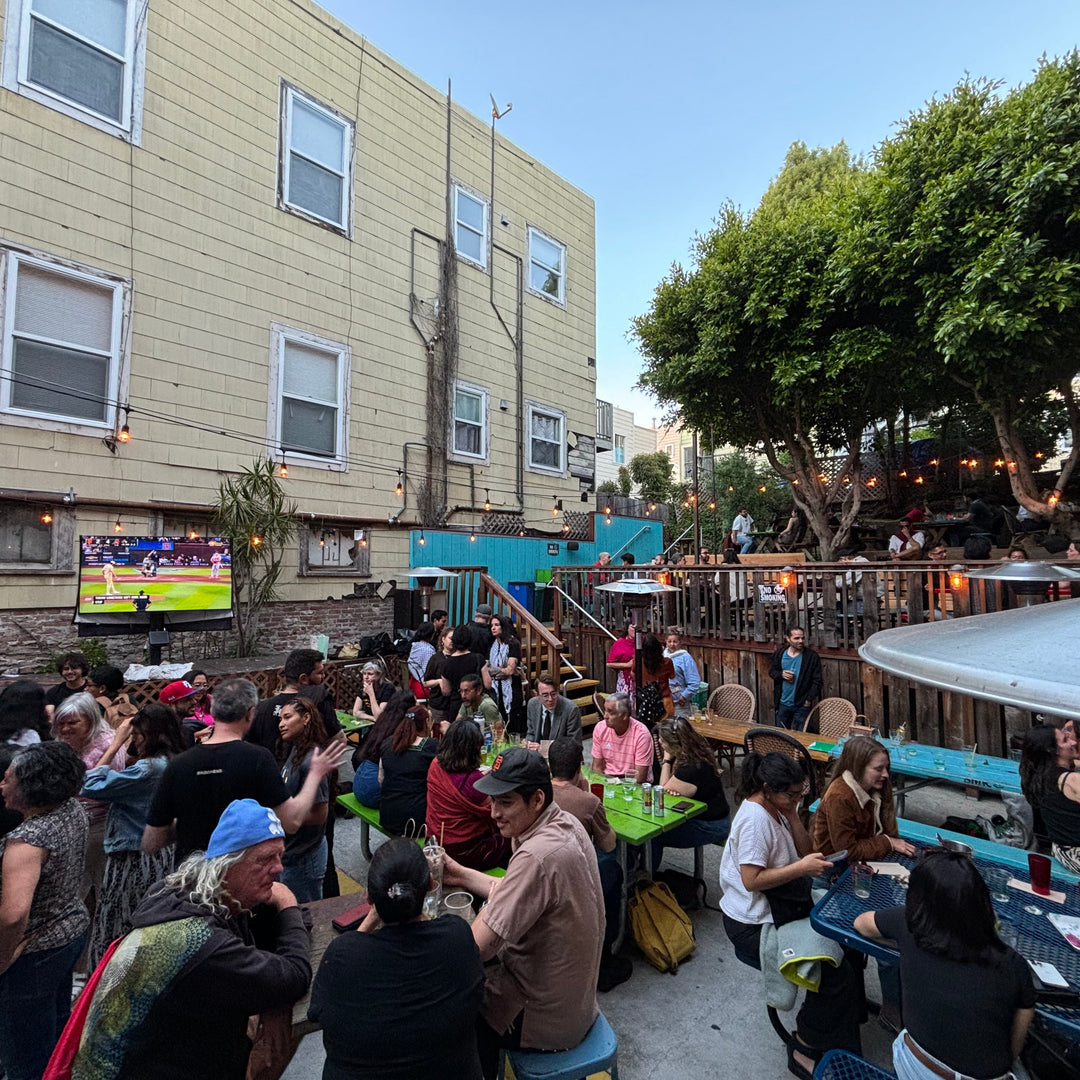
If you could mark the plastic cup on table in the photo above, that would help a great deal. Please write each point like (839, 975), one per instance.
(911, 752)
(460, 904)
(1039, 869)
(861, 876)
(939, 760)
(629, 791)
(611, 784)
(597, 790)
(997, 881)
(969, 756)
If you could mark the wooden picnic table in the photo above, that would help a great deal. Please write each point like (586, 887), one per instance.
(731, 732)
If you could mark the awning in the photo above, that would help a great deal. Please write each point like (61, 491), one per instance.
(1029, 657)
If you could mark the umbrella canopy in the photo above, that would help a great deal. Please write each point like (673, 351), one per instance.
(1023, 570)
(1026, 657)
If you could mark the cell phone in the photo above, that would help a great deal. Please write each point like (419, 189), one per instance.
(1049, 975)
(836, 856)
(681, 807)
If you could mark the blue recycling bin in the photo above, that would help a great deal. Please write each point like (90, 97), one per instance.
(524, 592)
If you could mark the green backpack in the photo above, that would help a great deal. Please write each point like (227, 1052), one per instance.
(661, 928)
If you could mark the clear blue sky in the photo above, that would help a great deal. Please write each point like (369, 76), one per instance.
(662, 111)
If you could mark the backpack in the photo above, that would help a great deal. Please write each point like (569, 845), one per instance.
(661, 929)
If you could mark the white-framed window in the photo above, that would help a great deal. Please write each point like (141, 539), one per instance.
(333, 551)
(470, 422)
(688, 462)
(62, 363)
(547, 266)
(316, 160)
(471, 226)
(620, 449)
(85, 58)
(309, 399)
(546, 434)
(670, 451)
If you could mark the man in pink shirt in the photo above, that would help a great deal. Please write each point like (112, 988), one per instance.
(621, 745)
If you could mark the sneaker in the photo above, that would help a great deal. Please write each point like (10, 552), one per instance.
(613, 970)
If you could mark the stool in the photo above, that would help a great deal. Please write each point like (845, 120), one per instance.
(596, 1053)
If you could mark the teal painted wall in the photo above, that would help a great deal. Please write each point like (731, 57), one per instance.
(514, 558)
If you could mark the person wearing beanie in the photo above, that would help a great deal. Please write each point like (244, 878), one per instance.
(174, 995)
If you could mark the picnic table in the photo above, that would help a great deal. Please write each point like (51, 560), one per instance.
(351, 725)
(936, 765)
(1037, 938)
(633, 826)
(731, 732)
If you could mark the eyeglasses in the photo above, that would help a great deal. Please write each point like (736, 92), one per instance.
(793, 796)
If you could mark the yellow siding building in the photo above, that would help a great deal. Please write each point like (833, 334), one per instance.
(220, 225)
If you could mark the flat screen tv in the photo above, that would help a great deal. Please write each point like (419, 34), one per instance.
(140, 576)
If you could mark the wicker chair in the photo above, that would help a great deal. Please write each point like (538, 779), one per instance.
(735, 702)
(834, 716)
(765, 740)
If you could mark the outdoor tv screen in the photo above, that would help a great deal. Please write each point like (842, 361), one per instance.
(145, 575)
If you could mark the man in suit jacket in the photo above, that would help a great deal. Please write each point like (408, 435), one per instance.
(550, 715)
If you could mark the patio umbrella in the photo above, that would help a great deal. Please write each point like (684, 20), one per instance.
(1025, 657)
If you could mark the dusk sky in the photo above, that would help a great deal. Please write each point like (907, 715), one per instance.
(663, 111)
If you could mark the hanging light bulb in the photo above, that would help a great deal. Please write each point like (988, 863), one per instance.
(472, 537)
(521, 531)
(565, 528)
(124, 434)
(283, 471)
(46, 517)
(256, 541)
(872, 482)
(956, 577)
(919, 480)
(117, 527)
(487, 501)
(192, 534)
(423, 539)
(399, 490)
(363, 540)
(322, 539)
(652, 506)
(554, 506)
(607, 510)
(712, 506)
(607, 521)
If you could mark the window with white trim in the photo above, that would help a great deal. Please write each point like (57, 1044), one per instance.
(688, 462)
(61, 356)
(470, 226)
(547, 266)
(309, 386)
(547, 439)
(329, 551)
(316, 159)
(620, 449)
(470, 421)
(85, 58)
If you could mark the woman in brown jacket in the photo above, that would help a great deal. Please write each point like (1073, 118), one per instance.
(856, 813)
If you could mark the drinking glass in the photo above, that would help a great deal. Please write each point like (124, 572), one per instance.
(861, 877)
(911, 752)
(611, 786)
(1008, 934)
(460, 904)
(969, 756)
(939, 760)
(629, 791)
(997, 881)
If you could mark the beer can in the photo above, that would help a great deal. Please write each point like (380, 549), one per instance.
(646, 797)
(658, 801)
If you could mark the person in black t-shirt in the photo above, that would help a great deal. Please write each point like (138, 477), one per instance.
(400, 975)
(461, 662)
(968, 998)
(74, 667)
(403, 767)
(376, 689)
(303, 676)
(198, 784)
(689, 771)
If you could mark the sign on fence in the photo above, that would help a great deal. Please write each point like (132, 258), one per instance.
(771, 594)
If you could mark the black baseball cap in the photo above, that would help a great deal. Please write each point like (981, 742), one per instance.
(514, 767)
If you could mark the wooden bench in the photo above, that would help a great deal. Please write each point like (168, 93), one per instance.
(780, 559)
(369, 819)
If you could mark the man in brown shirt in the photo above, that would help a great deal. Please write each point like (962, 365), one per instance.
(572, 793)
(544, 920)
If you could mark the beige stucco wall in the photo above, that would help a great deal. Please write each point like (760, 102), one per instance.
(190, 217)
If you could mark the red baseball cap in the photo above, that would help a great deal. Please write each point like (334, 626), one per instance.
(177, 691)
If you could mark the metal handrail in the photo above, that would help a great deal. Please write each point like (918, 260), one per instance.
(587, 614)
(622, 547)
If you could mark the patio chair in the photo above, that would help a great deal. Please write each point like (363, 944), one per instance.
(735, 702)
(764, 740)
(833, 716)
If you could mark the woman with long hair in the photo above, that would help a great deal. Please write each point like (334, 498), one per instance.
(1050, 783)
(44, 921)
(402, 974)
(457, 814)
(621, 659)
(689, 769)
(24, 718)
(403, 767)
(153, 735)
(656, 669)
(856, 813)
(365, 760)
(768, 848)
(968, 997)
(437, 701)
(504, 662)
(302, 732)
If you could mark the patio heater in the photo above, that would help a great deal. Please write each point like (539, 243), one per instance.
(1022, 571)
(638, 595)
(426, 577)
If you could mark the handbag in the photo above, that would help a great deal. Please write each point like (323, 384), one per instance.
(790, 902)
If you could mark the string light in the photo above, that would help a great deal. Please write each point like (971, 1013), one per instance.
(521, 531)
(46, 517)
(1038, 453)
(556, 506)
(363, 539)
(762, 489)
(399, 490)
(423, 539)
(872, 482)
(956, 578)
(919, 480)
(607, 510)
(124, 435)
(1054, 499)
(607, 520)
(192, 534)
(934, 461)
(997, 464)
(652, 506)
(487, 501)
(565, 528)
(472, 537)
(903, 472)
(256, 541)
(712, 506)
(118, 528)
(283, 471)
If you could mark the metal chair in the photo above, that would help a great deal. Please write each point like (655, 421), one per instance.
(764, 740)
(834, 716)
(732, 701)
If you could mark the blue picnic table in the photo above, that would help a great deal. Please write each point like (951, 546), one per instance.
(1037, 938)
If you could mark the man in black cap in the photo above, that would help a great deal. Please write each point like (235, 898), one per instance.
(544, 920)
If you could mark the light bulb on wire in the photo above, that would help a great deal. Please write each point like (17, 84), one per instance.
(117, 527)
(487, 501)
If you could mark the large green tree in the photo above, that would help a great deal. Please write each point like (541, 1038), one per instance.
(966, 236)
(752, 343)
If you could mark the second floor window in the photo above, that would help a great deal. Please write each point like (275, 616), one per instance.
(620, 449)
(316, 160)
(470, 226)
(470, 421)
(547, 267)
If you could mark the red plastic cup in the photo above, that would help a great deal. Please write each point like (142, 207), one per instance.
(597, 790)
(1039, 869)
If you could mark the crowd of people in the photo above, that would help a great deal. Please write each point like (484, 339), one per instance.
(164, 852)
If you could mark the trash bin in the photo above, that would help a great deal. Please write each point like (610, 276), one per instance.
(524, 592)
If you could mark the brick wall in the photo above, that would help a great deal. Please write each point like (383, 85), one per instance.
(29, 639)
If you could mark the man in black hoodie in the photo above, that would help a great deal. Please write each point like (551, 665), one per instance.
(174, 998)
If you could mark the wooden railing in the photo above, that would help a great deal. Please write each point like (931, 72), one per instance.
(839, 605)
(540, 648)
